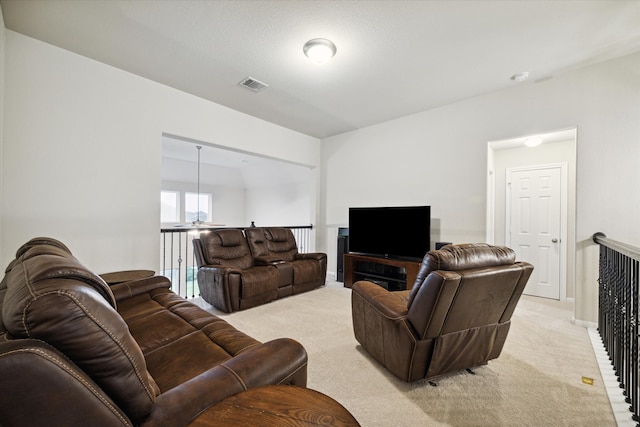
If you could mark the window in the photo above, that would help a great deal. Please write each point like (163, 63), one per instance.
(169, 206)
(197, 207)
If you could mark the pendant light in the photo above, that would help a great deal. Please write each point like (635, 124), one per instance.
(198, 221)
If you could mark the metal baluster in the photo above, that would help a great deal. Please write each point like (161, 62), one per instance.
(194, 271)
(618, 319)
(633, 284)
(179, 263)
(601, 298)
(626, 320)
(164, 252)
(171, 263)
(616, 326)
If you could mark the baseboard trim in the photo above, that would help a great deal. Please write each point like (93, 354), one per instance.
(619, 407)
(585, 324)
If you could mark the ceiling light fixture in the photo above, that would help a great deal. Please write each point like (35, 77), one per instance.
(533, 141)
(319, 50)
(198, 222)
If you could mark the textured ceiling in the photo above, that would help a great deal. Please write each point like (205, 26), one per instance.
(394, 58)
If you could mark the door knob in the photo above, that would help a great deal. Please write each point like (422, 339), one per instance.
(554, 240)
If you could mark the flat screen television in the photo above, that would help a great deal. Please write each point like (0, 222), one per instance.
(402, 232)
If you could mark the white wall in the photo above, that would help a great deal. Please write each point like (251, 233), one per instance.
(439, 157)
(285, 204)
(82, 152)
(2, 86)
(280, 196)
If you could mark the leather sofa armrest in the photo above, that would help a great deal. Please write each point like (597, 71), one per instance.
(312, 255)
(380, 324)
(281, 361)
(392, 305)
(268, 260)
(220, 286)
(217, 264)
(125, 290)
(219, 269)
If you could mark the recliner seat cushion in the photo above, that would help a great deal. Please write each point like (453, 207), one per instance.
(178, 341)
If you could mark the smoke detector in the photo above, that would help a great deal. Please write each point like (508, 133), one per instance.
(253, 84)
(520, 77)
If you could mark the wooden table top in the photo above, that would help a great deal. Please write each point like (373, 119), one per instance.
(277, 405)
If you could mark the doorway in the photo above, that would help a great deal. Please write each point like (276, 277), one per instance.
(555, 156)
(534, 222)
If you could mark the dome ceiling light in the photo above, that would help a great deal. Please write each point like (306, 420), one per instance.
(319, 50)
(533, 141)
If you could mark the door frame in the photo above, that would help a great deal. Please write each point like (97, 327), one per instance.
(563, 214)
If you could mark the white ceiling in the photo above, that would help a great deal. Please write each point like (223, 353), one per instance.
(394, 58)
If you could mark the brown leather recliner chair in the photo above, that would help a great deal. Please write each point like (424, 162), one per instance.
(228, 277)
(278, 246)
(456, 316)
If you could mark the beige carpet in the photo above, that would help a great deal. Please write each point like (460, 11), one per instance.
(537, 381)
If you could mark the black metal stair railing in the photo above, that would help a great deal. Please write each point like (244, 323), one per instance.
(178, 263)
(618, 313)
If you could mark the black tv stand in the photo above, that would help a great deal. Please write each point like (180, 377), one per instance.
(391, 273)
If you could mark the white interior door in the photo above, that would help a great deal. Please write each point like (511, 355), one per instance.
(534, 224)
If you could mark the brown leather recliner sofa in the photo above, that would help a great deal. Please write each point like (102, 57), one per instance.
(239, 270)
(456, 316)
(76, 352)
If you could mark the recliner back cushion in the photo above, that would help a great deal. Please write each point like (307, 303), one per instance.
(257, 242)
(461, 257)
(281, 241)
(230, 240)
(50, 296)
(38, 241)
(482, 297)
(228, 247)
(42, 241)
(452, 301)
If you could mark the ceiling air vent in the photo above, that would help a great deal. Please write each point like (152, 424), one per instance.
(253, 84)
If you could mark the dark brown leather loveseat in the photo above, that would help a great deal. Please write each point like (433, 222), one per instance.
(456, 316)
(76, 352)
(239, 270)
